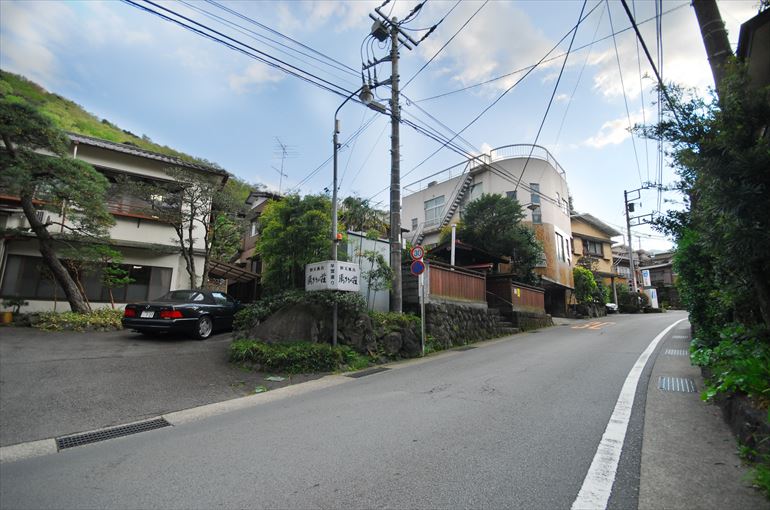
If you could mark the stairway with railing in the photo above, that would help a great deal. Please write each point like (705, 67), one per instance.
(451, 207)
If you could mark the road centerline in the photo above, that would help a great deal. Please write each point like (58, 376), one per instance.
(597, 485)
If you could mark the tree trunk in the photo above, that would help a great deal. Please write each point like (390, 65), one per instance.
(45, 242)
(714, 35)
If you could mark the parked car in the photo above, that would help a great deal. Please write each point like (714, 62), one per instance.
(611, 308)
(192, 311)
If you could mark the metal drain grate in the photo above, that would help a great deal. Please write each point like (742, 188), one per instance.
(103, 435)
(681, 337)
(680, 384)
(370, 371)
(677, 352)
(466, 348)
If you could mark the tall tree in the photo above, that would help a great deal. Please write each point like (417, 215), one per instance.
(294, 232)
(493, 223)
(723, 161)
(357, 214)
(187, 203)
(35, 166)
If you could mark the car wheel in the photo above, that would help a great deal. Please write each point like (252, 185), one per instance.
(205, 327)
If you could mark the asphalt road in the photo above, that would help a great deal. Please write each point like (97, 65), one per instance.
(513, 424)
(53, 384)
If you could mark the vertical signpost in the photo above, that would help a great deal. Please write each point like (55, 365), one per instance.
(418, 269)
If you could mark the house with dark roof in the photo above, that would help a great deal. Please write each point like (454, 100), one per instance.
(151, 254)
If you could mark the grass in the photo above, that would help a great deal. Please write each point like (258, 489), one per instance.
(72, 117)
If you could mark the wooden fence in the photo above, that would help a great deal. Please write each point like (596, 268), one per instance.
(455, 283)
(507, 294)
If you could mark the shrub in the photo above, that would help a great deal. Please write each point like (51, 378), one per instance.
(585, 285)
(740, 362)
(103, 319)
(390, 321)
(347, 303)
(295, 358)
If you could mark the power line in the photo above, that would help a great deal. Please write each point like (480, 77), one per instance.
(260, 55)
(553, 94)
(580, 76)
(448, 41)
(449, 142)
(623, 88)
(485, 110)
(649, 58)
(276, 45)
(641, 98)
(271, 30)
(521, 70)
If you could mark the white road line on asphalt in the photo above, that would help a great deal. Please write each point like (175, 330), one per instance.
(597, 485)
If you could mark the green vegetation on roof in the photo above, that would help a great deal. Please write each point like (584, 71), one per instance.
(71, 117)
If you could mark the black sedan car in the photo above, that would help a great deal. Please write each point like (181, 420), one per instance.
(196, 312)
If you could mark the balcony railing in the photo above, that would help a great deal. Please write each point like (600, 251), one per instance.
(520, 150)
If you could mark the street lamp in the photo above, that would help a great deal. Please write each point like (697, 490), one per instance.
(367, 98)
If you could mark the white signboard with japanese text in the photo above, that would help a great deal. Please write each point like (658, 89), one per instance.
(646, 277)
(653, 295)
(331, 275)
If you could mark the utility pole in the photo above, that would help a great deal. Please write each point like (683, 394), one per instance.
(390, 28)
(630, 242)
(395, 175)
(714, 35)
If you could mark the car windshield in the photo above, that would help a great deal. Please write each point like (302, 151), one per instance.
(182, 296)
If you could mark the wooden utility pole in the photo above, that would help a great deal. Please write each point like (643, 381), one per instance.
(712, 29)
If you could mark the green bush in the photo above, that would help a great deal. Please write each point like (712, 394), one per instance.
(295, 358)
(347, 303)
(391, 321)
(104, 319)
(740, 362)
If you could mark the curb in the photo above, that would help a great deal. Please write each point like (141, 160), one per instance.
(42, 447)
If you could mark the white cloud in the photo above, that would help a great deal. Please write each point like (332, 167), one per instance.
(28, 31)
(298, 17)
(613, 132)
(485, 47)
(253, 76)
(684, 59)
(561, 98)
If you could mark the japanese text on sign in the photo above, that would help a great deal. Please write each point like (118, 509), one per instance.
(331, 275)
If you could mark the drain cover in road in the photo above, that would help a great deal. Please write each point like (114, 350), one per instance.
(680, 384)
(677, 352)
(466, 348)
(104, 434)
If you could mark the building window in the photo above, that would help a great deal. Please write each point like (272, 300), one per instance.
(414, 224)
(560, 248)
(433, 208)
(29, 278)
(592, 248)
(254, 228)
(511, 195)
(535, 195)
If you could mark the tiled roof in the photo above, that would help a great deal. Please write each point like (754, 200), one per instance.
(143, 153)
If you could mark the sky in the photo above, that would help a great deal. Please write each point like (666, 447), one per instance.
(153, 77)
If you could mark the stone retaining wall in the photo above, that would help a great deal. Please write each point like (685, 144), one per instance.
(526, 321)
(460, 324)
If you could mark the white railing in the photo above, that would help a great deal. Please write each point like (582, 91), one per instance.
(520, 150)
